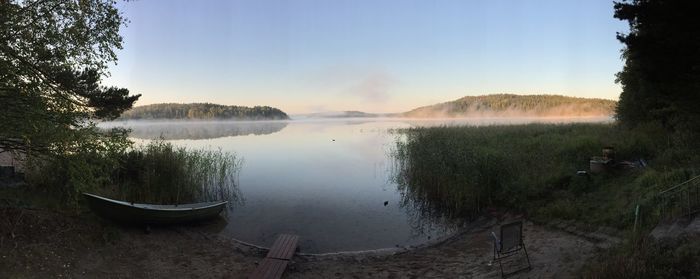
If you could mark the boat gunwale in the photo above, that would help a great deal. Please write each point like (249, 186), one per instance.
(157, 207)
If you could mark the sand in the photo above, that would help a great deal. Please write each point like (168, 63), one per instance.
(43, 244)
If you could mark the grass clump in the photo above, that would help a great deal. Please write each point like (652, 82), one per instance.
(159, 172)
(156, 172)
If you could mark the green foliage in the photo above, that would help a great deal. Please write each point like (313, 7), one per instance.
(53, 56)
(155, 173)
(517, 105)
(203, 111)
(661, 75)
(459, 171)
(649, 258)
(66, 175)
(161, 173)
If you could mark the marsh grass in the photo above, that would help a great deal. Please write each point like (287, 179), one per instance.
(460, 171)
(159, 172)
(156, 172)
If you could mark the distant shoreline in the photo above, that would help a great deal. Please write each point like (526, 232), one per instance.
(204, 111)
(294, 118)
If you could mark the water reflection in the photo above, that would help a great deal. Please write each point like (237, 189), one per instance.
(195, 130)
(326, 181)
(333, 182)
(419, 202)
(487, 121)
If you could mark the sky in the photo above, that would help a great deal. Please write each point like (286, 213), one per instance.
(307, 56)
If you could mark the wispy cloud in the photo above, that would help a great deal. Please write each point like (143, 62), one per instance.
(374, 87)
(371, 85)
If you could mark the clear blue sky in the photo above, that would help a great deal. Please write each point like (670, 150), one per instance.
(377, 56)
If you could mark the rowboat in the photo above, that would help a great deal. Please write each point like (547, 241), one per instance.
(141, 213)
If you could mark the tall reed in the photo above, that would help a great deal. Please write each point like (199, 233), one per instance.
(459, 171)
(156, 172)
(160, 172)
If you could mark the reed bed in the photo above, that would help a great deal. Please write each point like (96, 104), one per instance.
(458, 172)
(159, 172)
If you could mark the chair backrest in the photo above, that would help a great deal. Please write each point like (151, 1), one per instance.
(511, 236)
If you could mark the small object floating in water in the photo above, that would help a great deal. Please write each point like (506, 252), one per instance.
(333, 139)
(151, 214)
(386, 202)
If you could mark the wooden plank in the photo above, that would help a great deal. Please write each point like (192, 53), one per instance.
(276, 246)
(278, 258)
(269, 269)
(284, 247)
(289, 246)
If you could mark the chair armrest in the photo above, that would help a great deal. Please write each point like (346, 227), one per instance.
(496, 242)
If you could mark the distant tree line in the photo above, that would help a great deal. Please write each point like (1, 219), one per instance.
(203, 111)
(514, 105)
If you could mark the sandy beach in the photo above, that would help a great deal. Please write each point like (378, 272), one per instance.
(42, 244)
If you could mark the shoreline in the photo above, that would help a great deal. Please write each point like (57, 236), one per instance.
(41, 243)
(369, 252)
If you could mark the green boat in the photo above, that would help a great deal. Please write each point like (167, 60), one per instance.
(153, 214)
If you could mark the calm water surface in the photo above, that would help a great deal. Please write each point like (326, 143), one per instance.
(326, 180)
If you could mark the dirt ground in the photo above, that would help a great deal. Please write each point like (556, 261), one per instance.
(43, 244)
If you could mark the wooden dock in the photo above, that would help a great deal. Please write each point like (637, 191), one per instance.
(276, 261)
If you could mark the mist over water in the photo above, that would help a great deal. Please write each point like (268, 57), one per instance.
(194, 130)
(326, 180)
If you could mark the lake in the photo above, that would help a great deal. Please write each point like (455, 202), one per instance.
(327, 180)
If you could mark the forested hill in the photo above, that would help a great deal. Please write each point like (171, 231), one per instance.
(510, 105)
(341, 114)
(203, 111)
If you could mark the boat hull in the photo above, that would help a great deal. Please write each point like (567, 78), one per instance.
(136, 213)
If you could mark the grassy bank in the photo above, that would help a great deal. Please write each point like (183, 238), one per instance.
(460, 171)
(649, 258)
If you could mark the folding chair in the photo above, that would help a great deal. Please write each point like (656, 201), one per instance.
(509, 244)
